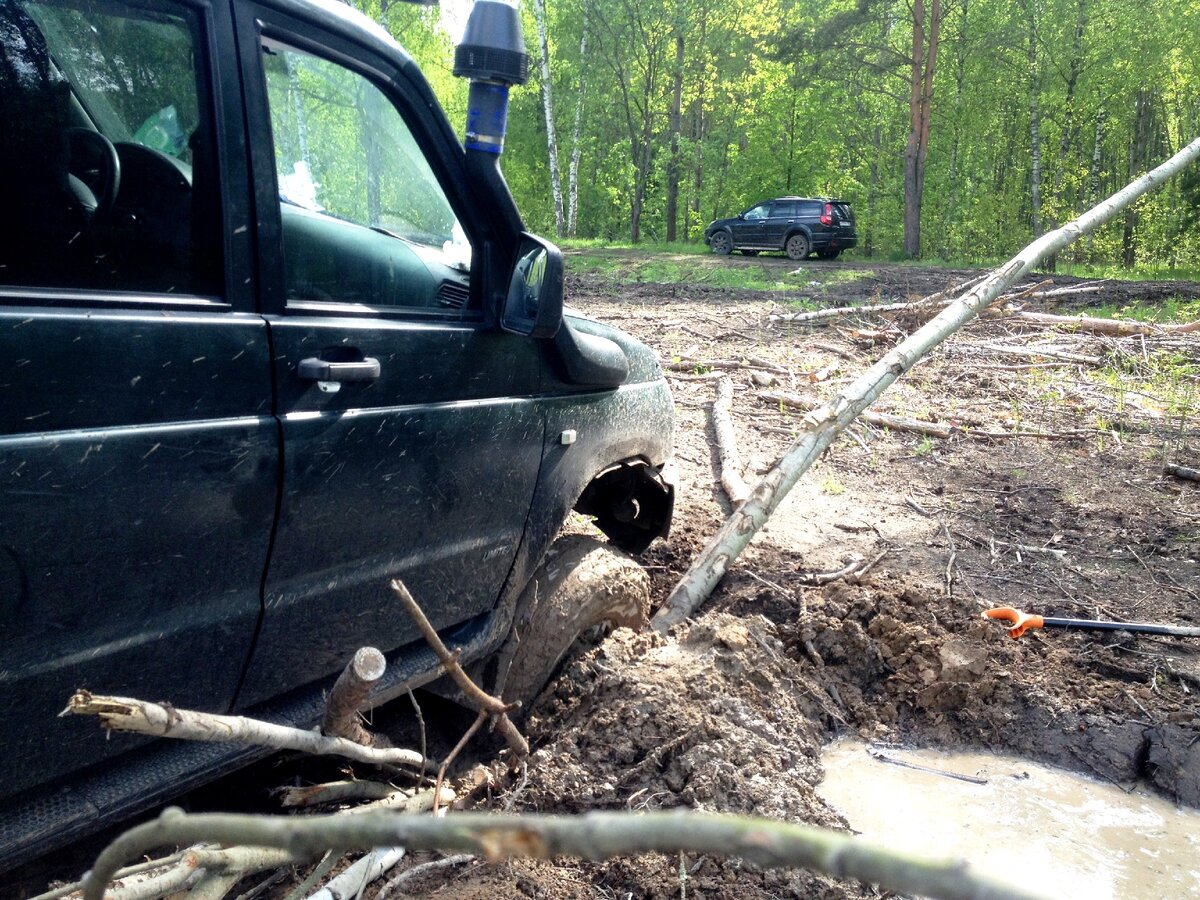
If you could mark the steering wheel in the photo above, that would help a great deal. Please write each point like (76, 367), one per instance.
(95, 163)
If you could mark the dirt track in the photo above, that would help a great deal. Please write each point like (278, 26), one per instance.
(732, 711)
(732, 714)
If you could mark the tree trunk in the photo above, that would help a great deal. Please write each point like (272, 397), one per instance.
(539, 11)
(1035, 121)
(923, 67)
(576, 133)
(1065, 139)
(1143, 123)
(699, 121)
(1094, 171)
(675, 123)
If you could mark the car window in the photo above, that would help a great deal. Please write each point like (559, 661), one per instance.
(107, 169)
(844, 212)
(812, 208)
(784, 209)
(364, 218)
(759, 212)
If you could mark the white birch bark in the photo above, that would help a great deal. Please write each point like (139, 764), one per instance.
(164, 720)
(822, 426)
(1035, 123)
(577, 132)
(539, 11)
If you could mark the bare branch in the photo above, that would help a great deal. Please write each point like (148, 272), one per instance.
(164, 720)
(479, 699)
(598, 835)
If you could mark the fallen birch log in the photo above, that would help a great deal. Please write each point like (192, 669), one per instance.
(920, 426)
(598, 835)
(1040, 353)
(837, 312)
(1109, 327)
(164, 720)
(822, 426)
(727, 452)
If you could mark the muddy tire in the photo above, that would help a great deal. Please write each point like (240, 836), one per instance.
(797, 247)
(721, 243)
(582, 583)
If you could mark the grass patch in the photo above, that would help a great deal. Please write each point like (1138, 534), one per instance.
(1162, 382)
(1173, 309)
(687, 264)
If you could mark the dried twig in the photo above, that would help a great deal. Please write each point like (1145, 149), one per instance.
(334, 792)
(420, 871)
(495, 708)
(883, 757)
(816, 578)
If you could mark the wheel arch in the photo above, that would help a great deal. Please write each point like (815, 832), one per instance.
(797, 229)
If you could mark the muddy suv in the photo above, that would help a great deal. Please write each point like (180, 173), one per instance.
(270, 337)
(799, 226)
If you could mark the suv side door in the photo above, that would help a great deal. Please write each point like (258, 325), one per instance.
(748, 228)
(138, 454)
(412, 433)
(780, 222)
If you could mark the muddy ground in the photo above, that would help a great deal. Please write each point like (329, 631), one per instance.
(730, 712)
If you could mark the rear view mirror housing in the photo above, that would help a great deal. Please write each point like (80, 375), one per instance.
(534, 303)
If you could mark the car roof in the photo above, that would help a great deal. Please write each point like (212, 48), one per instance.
(812, 199)
(345, 19)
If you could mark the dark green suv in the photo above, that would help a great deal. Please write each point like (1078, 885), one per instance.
(799, 226)
(270, 337)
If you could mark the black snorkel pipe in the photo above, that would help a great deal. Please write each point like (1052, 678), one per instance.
(492, 55)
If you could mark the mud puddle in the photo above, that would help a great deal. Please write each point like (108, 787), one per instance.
(1039, 828)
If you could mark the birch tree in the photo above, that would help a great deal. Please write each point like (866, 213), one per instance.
(539, 11)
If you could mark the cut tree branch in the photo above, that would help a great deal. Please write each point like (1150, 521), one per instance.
(822, 426)
(597, 835)
(727, 450)
(349, 695)
(164, 720)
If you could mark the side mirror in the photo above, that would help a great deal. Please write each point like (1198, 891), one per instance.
(534, 305)
(741, 215)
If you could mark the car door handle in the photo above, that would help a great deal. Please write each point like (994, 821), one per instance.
(314, 369)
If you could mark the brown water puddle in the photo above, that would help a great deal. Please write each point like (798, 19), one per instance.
(1043, 829)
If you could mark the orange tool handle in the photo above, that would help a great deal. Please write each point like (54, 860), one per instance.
(1021, 622)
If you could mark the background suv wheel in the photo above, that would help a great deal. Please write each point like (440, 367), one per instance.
(797, 246)
(721, 243)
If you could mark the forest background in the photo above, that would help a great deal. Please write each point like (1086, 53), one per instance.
(958, 129)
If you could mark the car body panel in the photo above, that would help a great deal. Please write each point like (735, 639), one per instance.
(137, 489)
(184, 517)
(425, 474)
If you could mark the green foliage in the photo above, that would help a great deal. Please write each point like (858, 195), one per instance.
(796, 97)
